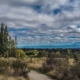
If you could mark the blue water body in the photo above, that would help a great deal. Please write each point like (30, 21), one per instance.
(75, 45)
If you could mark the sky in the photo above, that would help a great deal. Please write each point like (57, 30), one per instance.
(42, 22)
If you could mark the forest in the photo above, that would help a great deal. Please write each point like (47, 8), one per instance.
(58, 64)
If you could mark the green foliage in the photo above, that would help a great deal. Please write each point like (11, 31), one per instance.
(6, 43)
(19, 54)
(32, 53)
(3, 38)
(69, 52)
(58, 53)
(35, 52)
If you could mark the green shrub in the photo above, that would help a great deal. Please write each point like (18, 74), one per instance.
(19, 54)
(33, 53)
(58, 53)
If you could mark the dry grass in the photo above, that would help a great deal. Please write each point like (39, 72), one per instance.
(36, 63)
(12, 78)
(53, 72)
(71, 61)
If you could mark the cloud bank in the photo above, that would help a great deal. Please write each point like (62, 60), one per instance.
(37, 22)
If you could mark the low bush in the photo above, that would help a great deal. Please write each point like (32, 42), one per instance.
(63, 69)
(19, 54)
(13, 68)
(19, 67)
(4, 66)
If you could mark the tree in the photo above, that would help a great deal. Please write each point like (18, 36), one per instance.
(11, 47)
(2, 38)
(6, 38)
(6, 43)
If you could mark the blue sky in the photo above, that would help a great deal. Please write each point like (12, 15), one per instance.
(42, 22)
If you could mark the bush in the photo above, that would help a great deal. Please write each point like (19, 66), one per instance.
(13, 68)
(19, 54)
(19, 67)
(33, 53)
(43, 53)
(58, 53)
(64, 71)
(4, 66)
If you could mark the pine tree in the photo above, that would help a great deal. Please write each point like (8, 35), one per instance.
(6, 39)
(3, 38)
(6, 43)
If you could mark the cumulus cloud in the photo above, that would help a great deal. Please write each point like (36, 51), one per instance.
(42, 21)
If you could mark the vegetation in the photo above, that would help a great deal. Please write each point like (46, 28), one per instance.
(19, 54)
(33, 53)
(8, 49)
(12, 68)
(3, 39)
(6, 43)
(62, 64)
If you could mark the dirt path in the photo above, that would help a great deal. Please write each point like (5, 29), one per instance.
(33, 75)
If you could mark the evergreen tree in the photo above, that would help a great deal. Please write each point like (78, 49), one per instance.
(6, 43)
(3, 38)
(11, 47)
(6, 39)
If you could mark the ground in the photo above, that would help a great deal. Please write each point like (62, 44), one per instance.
(33, 75)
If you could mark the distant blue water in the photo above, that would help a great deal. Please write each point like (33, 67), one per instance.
(75, 45)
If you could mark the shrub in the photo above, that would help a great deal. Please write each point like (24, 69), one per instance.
(43, 53)
(13, 68)
(58, 53)
(19, 54)
(33, 53)
(19, 67)
(52, 63)
(4, 66)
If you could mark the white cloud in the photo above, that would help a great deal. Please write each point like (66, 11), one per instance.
(43, 26)
(73, 27)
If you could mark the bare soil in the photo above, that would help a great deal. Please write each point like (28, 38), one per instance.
(33, 75)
